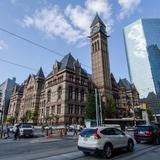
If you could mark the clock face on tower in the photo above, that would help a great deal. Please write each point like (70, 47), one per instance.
(103, 29)
(94, 29)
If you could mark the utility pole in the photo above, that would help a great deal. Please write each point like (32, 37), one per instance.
(97, 108)
(100, 106)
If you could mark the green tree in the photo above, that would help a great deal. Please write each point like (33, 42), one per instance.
(34, 116)
(110, 111)
(24, 119)
(138, 113)
(29, 115)
(150, 115)
(10, 119)
(90, 109)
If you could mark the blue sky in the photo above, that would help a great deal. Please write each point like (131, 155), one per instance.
(63, 26)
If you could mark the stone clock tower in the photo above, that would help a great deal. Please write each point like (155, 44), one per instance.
(100, 58)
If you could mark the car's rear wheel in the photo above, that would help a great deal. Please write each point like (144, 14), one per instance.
(86, 153)
(138, 141)
(108, 150)
(130, 146)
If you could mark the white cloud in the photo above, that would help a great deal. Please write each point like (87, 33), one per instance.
(82, 17)
(51, 21)
(73, 24)
(3, 45)
(127, 7)
(136, 35)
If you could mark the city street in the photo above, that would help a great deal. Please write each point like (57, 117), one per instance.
(59, 148)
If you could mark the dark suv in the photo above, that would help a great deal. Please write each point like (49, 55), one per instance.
(149, 133)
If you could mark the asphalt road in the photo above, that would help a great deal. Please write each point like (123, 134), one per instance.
(65, 148)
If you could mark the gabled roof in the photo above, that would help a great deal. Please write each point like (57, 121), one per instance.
(51, 73)
(96, 20)
(27, 80)
(67, 62)
(40, 73)
(19, 88)
(113, 81)
(125, 83)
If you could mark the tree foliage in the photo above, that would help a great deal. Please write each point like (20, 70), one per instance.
(10, 119)
(110, 111)
(150, 115)
(138, 113)
(29, 115)
(90, 109)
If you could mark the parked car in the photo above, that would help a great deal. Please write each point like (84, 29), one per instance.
(104, 140)
(149, 133)
(130, 130)
(157, 124)
(26, 129)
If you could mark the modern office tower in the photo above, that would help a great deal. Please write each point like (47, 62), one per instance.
(6, 89)
(142, 41)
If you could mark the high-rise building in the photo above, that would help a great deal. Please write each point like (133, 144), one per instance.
(6, 89)
(142, 41)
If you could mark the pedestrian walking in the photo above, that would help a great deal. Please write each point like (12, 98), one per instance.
(6, 131)
(17, 133)
(75, 130)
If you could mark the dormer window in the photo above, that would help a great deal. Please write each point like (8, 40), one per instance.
(56, 67)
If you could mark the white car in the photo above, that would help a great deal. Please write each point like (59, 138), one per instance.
(26, 129)
(104, 139)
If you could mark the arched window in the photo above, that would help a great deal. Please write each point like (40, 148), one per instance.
(82, 95)
(49, 96)
(59, 92)
(76, 94)
(70, 94)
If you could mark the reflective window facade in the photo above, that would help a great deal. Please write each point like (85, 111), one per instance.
(142, 41)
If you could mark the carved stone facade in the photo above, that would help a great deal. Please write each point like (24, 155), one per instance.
(31, 95)
(64, 95)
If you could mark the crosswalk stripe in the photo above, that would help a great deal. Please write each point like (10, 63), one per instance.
(66, 156)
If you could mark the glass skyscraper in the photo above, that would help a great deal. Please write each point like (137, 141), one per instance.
(142, 41)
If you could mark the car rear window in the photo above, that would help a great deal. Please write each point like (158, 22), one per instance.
(26, 126)
(143, 128)
(87, 132)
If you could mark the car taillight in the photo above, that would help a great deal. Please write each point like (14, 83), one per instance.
(148, 133)
(96, 135)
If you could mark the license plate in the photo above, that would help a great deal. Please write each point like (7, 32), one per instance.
(141, 132)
